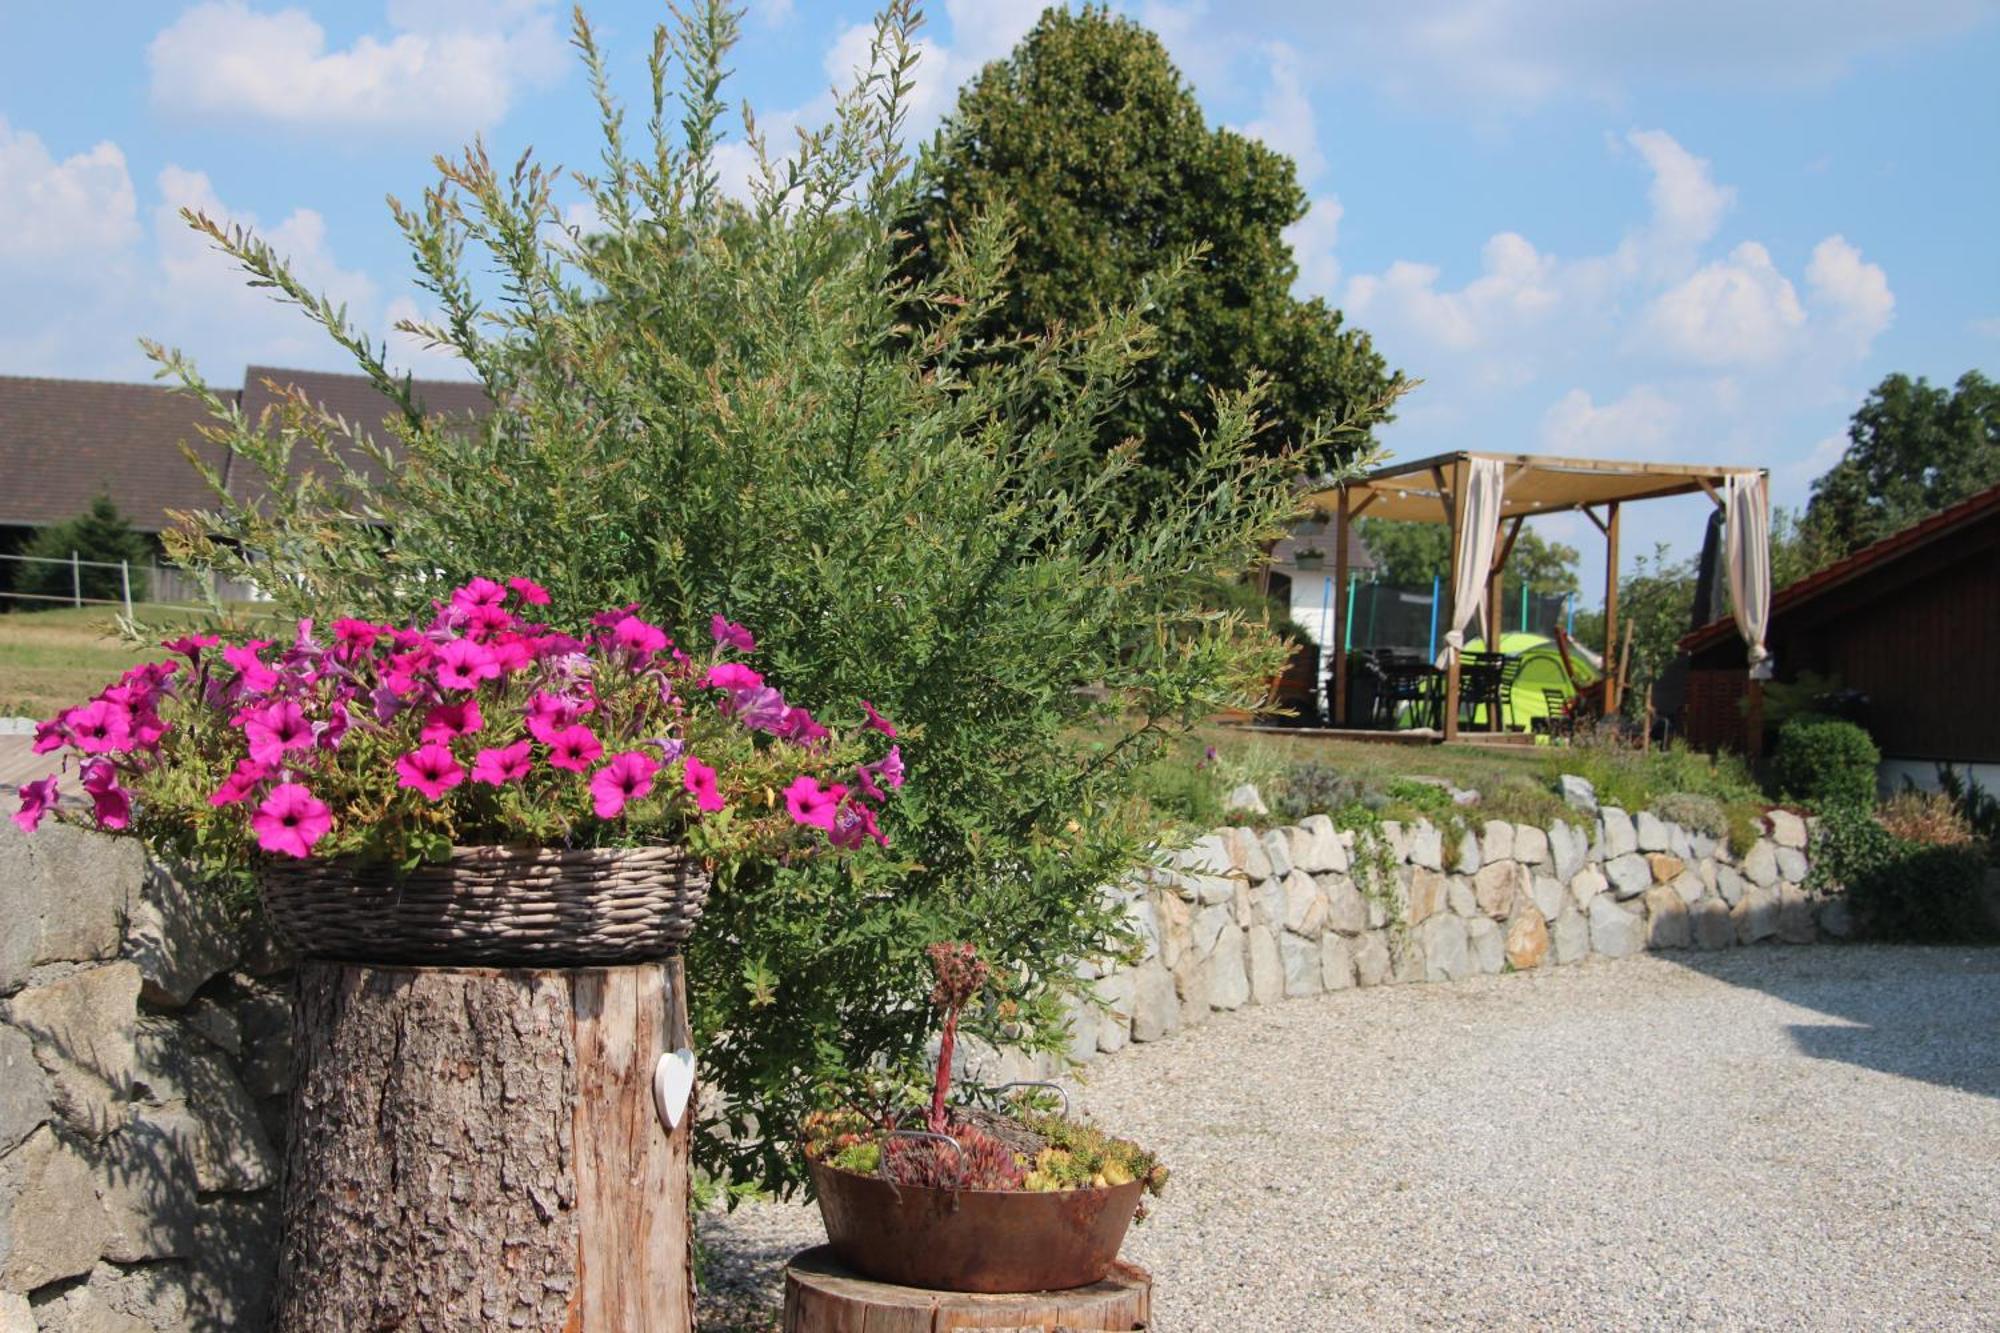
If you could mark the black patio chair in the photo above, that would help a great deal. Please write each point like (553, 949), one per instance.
(1478, 683)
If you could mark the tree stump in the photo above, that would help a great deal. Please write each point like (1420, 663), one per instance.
(823, 1297)
(478, 1148)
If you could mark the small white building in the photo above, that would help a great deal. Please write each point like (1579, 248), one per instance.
(1302, 572)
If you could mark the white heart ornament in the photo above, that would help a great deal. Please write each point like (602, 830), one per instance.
(673, 1081)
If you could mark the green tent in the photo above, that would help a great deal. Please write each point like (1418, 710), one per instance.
(1541, 669)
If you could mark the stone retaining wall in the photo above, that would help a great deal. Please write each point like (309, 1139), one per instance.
(144, 1054)
(1244, 917)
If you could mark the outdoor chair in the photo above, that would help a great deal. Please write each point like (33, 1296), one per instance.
(1478, 684)
(1560, 720)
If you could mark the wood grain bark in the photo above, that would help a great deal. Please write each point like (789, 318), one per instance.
(823, 1297)
(477, 1148)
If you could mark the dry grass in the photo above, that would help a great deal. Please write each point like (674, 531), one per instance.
(50, 660)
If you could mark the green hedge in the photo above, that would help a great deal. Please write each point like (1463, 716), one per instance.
(1824, 762)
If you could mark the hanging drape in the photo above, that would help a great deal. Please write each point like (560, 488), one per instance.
(1485, 488)
(1747, 520)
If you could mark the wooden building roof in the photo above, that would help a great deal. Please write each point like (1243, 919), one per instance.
(1415, 492)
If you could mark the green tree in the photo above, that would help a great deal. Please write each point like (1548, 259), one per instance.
(1913, 448)
(1656, 601)
(1095, 142)
(99, 534)
(1411, 554)
(722, 409)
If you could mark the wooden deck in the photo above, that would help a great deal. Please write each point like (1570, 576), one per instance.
(1407, 736)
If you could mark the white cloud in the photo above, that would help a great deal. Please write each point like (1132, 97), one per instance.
(1639, 424)
(1314, 239)
(77, 208)
(449, 66)
(1989, 327)
(1285, 121)
(1854, 291)
(1516, 288)
(1687, 203)
(1739, 311)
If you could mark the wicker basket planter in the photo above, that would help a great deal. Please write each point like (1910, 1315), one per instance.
(496, 906)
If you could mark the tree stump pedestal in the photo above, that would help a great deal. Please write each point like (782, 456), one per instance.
(821, 1296)
(477, 1148)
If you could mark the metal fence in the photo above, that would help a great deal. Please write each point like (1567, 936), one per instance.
(167, 586)
(1409, 617)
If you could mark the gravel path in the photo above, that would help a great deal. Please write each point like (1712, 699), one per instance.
(1771, 1138)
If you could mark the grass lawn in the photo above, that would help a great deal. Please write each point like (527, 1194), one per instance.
(50, 660)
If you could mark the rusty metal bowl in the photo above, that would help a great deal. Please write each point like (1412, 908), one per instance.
(993, 1241)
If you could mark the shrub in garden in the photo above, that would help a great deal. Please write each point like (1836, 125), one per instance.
(1900, 889)
(1692, 810)
(1824, 762)
(753, 408)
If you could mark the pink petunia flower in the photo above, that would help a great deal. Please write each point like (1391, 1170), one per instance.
(276, 728)
(574, 748)
(877, 721)
(637, 637)
(190, 645)
(351, 638)
(628, 777)
(447, 722)
(112, 803)
(729, 634)
(240, 784)
(852, 823)
(251, 673)
(530, 592)
(291, 820)
(732, 676)
(699, 779)
(503, 764)
(511, 652)
(480, 592)
(327, 735)
(801, 728)
(430, 769)
(811, 804)
(98, 727)
(890, 767)
(606, 619)
(50, 735)
(462, 664)
(761, 709)
(37, 799)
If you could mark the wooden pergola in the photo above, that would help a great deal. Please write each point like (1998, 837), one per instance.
(1433, 490)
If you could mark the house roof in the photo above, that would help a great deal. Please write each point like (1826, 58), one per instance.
(1318, 534)
(352, 398)
(63, 442)
(1981, 508)
(1414, 492)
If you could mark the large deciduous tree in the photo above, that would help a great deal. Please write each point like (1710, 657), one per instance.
(1097, 145)
(1914, 448)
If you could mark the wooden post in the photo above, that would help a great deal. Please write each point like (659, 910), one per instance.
(1610, 609)
(1339, 645)
(1461, 471)
(823, 1297)
(479, 1148)
(1505, 535)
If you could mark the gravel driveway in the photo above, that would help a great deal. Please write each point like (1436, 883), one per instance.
(1769, 1138)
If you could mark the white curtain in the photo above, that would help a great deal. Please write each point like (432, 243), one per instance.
(1485, 488)
(1747, 540)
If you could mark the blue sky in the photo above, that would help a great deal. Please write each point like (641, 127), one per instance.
(1671, 229)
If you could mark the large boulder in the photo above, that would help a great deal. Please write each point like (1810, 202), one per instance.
(1586, 884)
(1666, 867)
(1277, 851)
(1347, 910)
(1713, 928)
(1666, 919)
(1792, 865)
(1652, 833)
(1301, 958)
(1484, 941)
(1496, 841)
(1336, 961)
(1531, 845)
(1246, 853)
(1156, 1009)
(24, 1090)
(1787, 829)
(1426, 846)
(1629, 874)
(1228, 975)
(82, 1028)
(1267, 973)
(1571, 936)
(1756, 915)
(1795, 916)
(146, 1179)
(1428, 889)
(1614, 931)
(65, 896)
(1320, 849)
(1208, 926)
(1620, 838)
(180, 936)
(1729, 885)
(1549, 895)
(1499, 885)
(1579, 794)
(1569, 848)
(1305, 905)
(1760, 867)
(54, 1226)
(1372, 962)
(1527, 938)
(1467, 861)
(1206, 855)
(1445, 948)
(1244, 799)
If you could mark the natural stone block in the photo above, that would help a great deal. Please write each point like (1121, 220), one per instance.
(1084, 1019)
(1467, 861)
(1267, 973)
(1207, 890)
(1347, 910)
(1156, 1008)
(1372, 963)
(1398, 840)
(1114, 1020)
(1426, 847)
(1498, 886)
(1701, 846)
(1268, 907)
(65, 895)
(1689, 886)
(82, 1029)
(236, 1262)
(1571, 936)
(1191, 985)
(1445, 946)
(1461, 899)
(55, 1228)
(146, 1178)
(1176, 928)
(1531, 845)
(1246, 853)
(1208, 924)
(1528, 938)
(1239, 903)
(1569, 848)
(1244, 799)
(1277, 851)
(1729, 884)
(149, 1298)
(1665, 866)
(1756, 915)
(1760, 867)
(1614, 932)
(1486, 944)
(1651, 832)
(1587, 884)
(1496, 841)
(1336, 962)
(1666, 919)
(1711, 923)
(1579, 794)
(1206, 855)
(1787, 829)
(1228, 977)
(1305, 904)
(1792, 866)
(1629, 874)
(1677, 842)
(1426, 896)
(1301, 958)
(24, 1090)
(202, 1101)
(1549, 896)
(1620, 838)
(16, 1316)
(1378, 913)
(1322, 850)
(1795, 916)
(180, 936)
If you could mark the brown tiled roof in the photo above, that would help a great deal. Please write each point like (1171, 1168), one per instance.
(63, 442)
(352, 398)
(1319, 536)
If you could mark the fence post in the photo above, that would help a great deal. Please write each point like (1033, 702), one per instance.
(75, 581)
(125, 583)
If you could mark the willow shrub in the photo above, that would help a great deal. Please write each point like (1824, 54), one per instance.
(706, 405)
